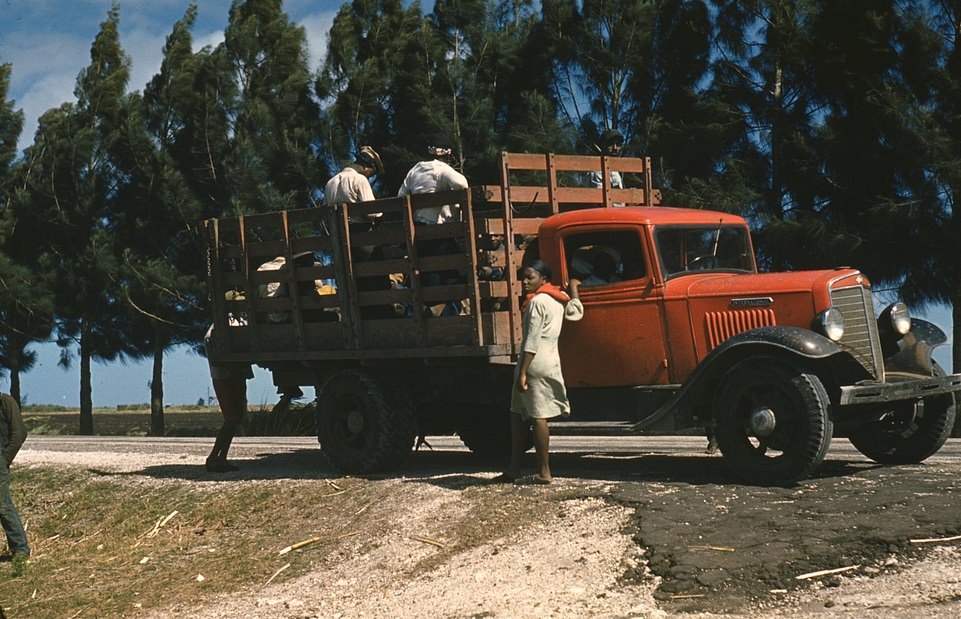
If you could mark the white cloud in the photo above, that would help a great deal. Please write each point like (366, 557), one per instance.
(146, 53)
(45, 68)
(48, 43)
(317, 27)
(209, 39)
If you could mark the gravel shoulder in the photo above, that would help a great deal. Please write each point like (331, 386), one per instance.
(445, 543)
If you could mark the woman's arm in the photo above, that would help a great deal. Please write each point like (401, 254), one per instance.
(526, 362)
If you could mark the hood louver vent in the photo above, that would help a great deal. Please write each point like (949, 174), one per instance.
(723, 325)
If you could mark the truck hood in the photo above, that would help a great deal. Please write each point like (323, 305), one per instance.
(758, 285)
(716, 306)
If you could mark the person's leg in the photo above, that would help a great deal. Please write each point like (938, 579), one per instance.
(542, 440)
(232, 396)
(711, 440)
(230, 386)
(518, 444)
(9, 518)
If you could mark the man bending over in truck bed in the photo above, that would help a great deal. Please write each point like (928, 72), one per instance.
(430, 176)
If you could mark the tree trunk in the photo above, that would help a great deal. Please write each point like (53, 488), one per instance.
(86, 389)
(156, 384)
(15, 385)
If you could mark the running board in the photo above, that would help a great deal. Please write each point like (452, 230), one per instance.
(591, 428)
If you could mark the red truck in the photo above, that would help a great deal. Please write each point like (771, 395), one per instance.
(680, 330)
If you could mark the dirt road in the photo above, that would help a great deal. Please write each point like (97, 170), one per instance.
(632, 528)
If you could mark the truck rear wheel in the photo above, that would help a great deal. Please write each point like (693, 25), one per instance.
(909, 433)
(773, 422)
(364, 424)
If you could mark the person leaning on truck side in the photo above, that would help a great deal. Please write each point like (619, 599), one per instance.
(539, 392)
(12, 435)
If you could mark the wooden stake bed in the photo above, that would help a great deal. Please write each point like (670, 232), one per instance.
(274, 299)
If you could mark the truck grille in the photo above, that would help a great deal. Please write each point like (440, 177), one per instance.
(723, 325)
(860, 327)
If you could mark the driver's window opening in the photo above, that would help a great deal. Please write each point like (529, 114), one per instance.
(686, 249)
(602, 258)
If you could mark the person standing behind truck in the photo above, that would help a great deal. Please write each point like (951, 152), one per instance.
(539, 392)
(229, 380)
(230, 387)
(12, 435)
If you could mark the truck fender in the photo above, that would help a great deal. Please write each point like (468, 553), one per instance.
(689, 403)
(916, 347)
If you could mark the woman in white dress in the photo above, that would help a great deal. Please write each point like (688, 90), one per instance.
(539, 393)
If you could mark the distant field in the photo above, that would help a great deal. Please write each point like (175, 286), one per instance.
(131, 420)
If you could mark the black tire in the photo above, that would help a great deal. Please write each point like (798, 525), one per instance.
(486, 431)
(794, 404)
(364, 424)
(909, 433)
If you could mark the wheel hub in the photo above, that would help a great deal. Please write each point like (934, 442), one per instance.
(355, 422)
(763, 422)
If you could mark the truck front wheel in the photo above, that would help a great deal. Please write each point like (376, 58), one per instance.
(773, 422)
(363, 423)
(909, 433)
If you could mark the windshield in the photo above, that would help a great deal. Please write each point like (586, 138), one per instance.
(683, 249)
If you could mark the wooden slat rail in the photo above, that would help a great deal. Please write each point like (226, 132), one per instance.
(494, 232)
(524, 197)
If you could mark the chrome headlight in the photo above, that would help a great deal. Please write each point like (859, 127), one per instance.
(830, 323)
(898, 316)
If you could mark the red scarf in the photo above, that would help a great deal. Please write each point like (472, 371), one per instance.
(550, 290)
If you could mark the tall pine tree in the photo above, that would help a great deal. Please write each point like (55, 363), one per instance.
(271, 163)
(26, 307)
(74, 181)
(161, 264)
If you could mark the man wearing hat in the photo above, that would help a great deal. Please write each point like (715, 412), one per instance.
(609, 145)
(352, 184)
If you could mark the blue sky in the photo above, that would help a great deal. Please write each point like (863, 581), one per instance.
(48, 43)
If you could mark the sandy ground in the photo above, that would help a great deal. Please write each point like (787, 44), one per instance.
(584, 553)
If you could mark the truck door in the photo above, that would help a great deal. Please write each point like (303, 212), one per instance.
(620, 341)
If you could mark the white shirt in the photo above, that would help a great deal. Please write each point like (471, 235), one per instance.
(349, 185)
(616, 181)
(430, 177)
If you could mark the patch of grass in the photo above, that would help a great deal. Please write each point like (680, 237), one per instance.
(298, 420)
(105, 547)
(46, 408)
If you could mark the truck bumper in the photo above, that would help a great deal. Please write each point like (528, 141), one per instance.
(895, 391)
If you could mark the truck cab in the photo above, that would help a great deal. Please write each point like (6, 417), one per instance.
(680, 331)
